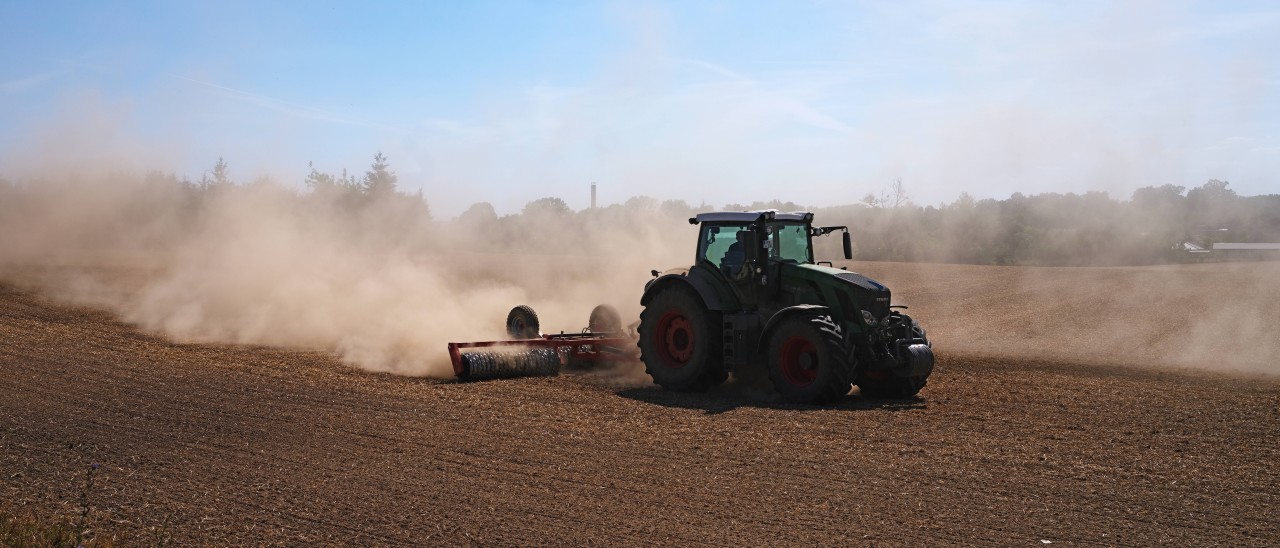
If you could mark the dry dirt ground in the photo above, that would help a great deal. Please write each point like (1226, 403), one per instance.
(209, 444)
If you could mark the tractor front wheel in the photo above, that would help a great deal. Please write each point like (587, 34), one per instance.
(805, 362)
(679, 342)
(884, 384)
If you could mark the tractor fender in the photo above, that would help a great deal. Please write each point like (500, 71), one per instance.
(783, 315)
(680, 278)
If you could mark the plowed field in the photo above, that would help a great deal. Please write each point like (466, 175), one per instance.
(1087, 442)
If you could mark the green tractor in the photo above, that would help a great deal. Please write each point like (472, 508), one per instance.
(754, 298)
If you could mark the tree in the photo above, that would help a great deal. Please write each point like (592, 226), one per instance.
(676, 209)
(379, 180)
(640, 204)
(892, 197)
(1149, 197)
(552, 207)
(1212, 205)
(1160, 212)
(1213, 190)
(479, 214)
(320, 182)
(220, 176)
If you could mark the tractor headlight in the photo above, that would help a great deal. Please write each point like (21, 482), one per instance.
(868, 317)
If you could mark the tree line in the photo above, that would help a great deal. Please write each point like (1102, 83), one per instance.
(1062, 229)
(1042, 229)
(1050, 229)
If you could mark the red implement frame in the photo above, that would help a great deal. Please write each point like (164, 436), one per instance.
(582, 346)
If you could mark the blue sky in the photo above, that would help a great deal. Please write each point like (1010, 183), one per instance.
(717, 102)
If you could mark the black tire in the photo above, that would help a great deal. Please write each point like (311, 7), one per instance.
(522, 323)
(885, 385)
(806, 363)
(605, 319)
(680, 342)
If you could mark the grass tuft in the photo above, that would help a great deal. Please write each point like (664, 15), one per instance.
(21, 527)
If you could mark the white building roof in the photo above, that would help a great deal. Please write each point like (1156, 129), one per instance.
(1227, 246)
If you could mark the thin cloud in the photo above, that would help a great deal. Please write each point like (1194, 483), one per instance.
(290, 108)
(717, 69)
(1226, 25)
(458, 128)
(28, 82)
(775, 99)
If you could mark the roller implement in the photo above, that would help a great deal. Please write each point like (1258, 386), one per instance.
(531, 353)
(754, 299)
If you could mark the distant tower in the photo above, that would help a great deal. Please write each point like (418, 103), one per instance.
(593, 195)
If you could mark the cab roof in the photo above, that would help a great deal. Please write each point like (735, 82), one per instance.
(750, 216)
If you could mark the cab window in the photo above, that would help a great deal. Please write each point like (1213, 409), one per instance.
(717, 244)
(789, 242)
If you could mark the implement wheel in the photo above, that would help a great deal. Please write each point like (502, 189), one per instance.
(806, 363)
(605, 319)
(680, 342)
(522, 323)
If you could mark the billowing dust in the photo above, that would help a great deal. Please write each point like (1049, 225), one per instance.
(1213, 316)
(386, 289)
(262, 264)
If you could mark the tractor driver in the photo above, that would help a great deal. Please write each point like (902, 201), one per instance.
(736, 256)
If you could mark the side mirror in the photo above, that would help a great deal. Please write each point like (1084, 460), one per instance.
(848, 246)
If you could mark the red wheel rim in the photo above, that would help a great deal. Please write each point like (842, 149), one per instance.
(674, 339)
(799, 360)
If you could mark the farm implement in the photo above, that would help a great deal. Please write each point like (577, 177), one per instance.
(531, 353)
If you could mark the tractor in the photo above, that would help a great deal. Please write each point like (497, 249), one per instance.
(755, 299)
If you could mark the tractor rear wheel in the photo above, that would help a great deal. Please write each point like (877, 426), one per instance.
(680, 342)
(806, 363)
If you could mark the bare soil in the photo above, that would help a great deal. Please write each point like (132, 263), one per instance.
(212, 444)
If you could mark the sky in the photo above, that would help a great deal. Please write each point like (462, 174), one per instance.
(710, 102)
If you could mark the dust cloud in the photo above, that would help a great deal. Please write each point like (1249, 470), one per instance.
(1214, 317)
(372, 280)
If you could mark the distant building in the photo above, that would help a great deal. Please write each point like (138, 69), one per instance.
(1224, 251)
(1205, 244)
(1240, 246)
(1192, 247)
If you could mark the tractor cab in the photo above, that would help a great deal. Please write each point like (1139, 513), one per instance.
(748, 249)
